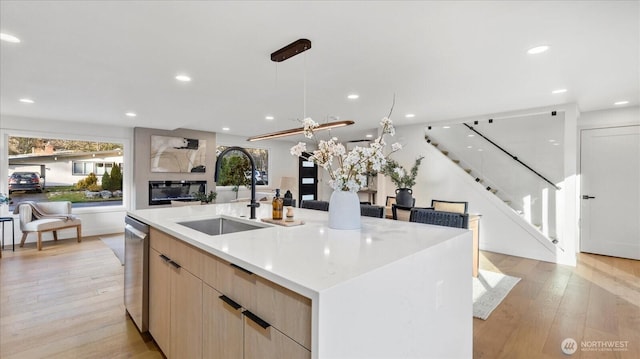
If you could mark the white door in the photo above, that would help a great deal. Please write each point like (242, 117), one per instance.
(610, 176)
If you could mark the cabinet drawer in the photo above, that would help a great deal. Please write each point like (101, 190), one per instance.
(236, 283)
(269, 343)
(159, 241)
(286, 310)
(190, 258)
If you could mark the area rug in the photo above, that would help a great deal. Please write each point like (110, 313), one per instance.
(116, 243)
(489, 289)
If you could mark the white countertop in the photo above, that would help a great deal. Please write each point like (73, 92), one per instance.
(309, 258)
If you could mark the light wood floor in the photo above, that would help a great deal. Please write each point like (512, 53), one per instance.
(66, 302)
(598, 300)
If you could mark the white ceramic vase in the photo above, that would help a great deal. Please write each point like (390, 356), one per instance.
(344, 210)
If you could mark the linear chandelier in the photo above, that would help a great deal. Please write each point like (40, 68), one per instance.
(297, 131)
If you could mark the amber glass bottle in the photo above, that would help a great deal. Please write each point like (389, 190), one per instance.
(278, 206)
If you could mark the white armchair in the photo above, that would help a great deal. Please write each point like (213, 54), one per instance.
(46, 217)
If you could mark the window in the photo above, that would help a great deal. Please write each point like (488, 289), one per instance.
(84, 168)
(235, 169)
(86, 172)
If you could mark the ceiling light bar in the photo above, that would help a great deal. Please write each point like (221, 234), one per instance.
(297, 131)
(538, 49)
(9, 38)
(291, 50)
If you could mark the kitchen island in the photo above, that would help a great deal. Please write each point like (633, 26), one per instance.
(389, 290)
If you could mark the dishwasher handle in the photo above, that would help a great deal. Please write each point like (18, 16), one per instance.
(131, 229)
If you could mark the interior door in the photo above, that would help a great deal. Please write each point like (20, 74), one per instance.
(610, 185)
(308, 180)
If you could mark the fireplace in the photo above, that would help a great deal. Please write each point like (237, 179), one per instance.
(163, 192)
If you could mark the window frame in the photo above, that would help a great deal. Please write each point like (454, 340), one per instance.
(267, 149)
(127, 160)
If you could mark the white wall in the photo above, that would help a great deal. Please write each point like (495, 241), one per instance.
(96, 220)
(142, 153)
(610, 117)
(281, 164)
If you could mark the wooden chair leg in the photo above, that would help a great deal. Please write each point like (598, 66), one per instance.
(39, 241)
(79, 231)
(55, 235)
(24, 238)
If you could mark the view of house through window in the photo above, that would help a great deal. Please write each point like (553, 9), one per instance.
(87, 173)
(235, 168)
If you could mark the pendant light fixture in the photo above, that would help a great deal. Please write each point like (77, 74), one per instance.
(297, 131)
(283, 54)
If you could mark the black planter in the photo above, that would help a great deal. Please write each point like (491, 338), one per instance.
(404, 197)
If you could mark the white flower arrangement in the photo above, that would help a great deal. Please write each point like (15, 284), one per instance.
(349, 173)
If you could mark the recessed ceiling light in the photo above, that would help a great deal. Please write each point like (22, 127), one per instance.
(353, 96)
(410, 115)
(552, 141)
(26, 100)
(269, 118)
(559, 91)
(621, 103)
(446, 126)
(471, 135)
(479, 149)
(469, 146)
(183, 78)
(131, 114)
(225, 129)
(9, 38)
(538, 49)
(556, 144)
(369, 136)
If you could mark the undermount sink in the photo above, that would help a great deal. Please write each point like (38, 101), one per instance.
(218, 226)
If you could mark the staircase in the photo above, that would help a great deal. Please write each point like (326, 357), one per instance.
(495, 189)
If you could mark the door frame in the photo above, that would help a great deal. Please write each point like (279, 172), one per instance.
(579, 184)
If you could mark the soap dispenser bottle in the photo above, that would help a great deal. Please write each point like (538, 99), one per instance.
(278, 205)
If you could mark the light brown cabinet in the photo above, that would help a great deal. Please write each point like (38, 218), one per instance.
(202, 306)
(222, 327)
(159, 300)
(175, 298)
(232, 332)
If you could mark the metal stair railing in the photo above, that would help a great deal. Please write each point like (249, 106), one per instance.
(512, 156)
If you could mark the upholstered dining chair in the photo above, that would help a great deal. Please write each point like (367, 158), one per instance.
(449, 206)
(369, 210)
(440, 218)
(387, 211)
(400, 213)
(313, 204)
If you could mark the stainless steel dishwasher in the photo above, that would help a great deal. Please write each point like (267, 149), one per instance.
(136, 272)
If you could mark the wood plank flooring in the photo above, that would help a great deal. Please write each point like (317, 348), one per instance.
(66, 302)
(598, 300)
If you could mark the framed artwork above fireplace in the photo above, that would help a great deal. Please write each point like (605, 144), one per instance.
(177, 154)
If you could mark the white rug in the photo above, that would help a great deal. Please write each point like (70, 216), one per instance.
(116, 243)
(489, 289)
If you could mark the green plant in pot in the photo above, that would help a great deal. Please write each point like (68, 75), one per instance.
(403, 179)
(205, 197)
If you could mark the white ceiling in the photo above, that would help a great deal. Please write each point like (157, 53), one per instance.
(92, 61)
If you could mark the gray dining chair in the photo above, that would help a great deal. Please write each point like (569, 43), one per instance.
(369, 210)
(314, 204)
